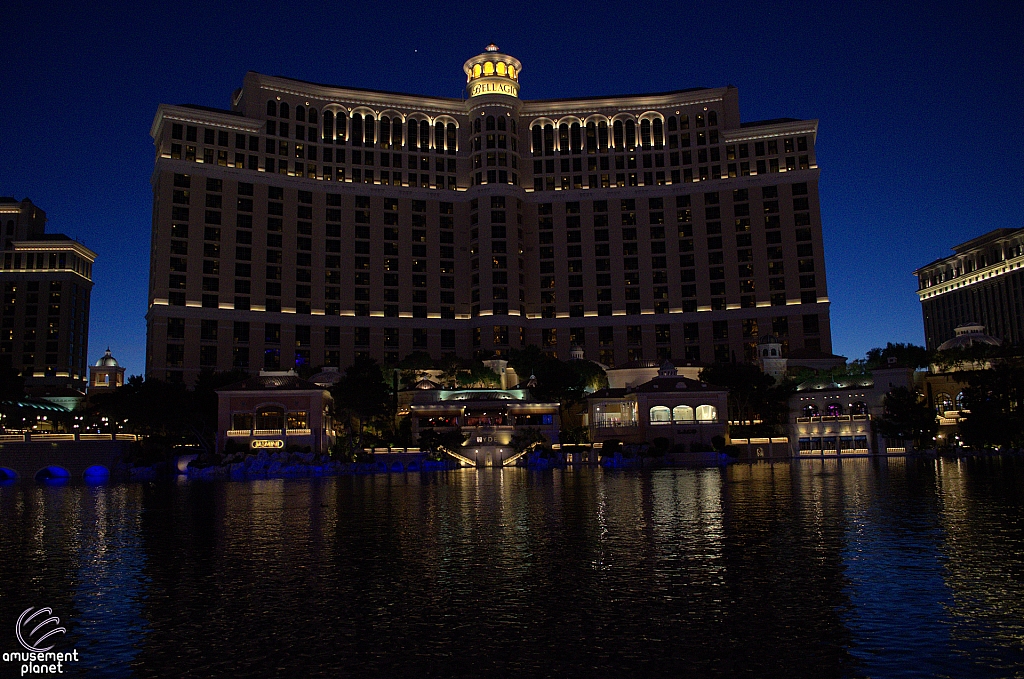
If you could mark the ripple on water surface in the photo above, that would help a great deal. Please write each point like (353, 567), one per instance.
(824, 569)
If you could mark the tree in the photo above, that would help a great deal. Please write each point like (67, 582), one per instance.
(436, 443)
(362, 395)
(907, 417)
(754, 398)
(525, 438)
(995, 399)
(476, 374)
(566, 382)
(906, 355)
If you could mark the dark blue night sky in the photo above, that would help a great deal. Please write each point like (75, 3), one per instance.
(920, 139)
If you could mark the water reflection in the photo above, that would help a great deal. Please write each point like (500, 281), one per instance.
(834, 568)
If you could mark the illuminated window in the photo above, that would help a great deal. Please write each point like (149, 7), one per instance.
(476, 71)
(488, 68)
(706, 413)
(682, 414)
(501, 68)
(661, 415)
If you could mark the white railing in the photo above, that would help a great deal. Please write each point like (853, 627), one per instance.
(239, 432)
(266, 432)
(298, 432)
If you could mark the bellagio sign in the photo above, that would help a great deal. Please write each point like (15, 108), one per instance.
(494, 86)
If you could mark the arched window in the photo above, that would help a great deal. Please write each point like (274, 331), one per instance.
(312, 116)
(513, 127)
(357, 129)
(300, 113)
(270, 419)
(340, 127)
(369, 130)
(699, 120)
(660, 415)
(502, 124)
(439, 137)
(453, 138)
(682, 414)
(501, 68)
(396, 133)
(833, 409)
(810, 410)
(575, 141)
(538, 148)
(424, 135)
(476, 126)
(859, 408)
(645, 133)
(630, 135)
(684, 122)
(272, 108)
(328, 127)
(563, 138)
(671, 123)
(488, 68)
(602, 136)
(385, 132)
(414, 134)
(960, 401)
(943, 403)
(549, 140)
(283, 110)
(617, 136)
(659, 135)
(489, 123)
(712, 118)
(707, 413)
(591, 137)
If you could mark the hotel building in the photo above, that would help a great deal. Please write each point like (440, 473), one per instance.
(312, 223)
(46, 279)
(982, 282)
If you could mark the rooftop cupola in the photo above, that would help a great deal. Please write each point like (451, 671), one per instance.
(492, 72)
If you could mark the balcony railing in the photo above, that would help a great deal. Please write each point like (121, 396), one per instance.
(833, 418)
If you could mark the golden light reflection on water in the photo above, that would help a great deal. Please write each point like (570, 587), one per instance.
(810, 567)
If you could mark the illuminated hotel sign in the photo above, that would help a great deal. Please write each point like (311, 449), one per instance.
(494, 86)
(266, 443)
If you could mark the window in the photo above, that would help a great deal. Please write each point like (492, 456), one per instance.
(682, 414)
(707, 413)
(661, 415)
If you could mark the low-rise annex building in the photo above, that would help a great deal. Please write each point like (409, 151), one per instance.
(488, 418)
(682, 410)
(833, 418)
(275, 410)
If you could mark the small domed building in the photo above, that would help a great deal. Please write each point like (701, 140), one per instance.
(105, 374)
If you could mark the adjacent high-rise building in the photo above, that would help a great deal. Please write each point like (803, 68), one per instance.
(982, 282)
(46, 280)
(312, 223)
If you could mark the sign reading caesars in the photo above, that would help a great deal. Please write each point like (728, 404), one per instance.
(267, 443)
(494, 87)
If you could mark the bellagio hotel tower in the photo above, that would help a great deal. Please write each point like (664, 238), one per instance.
(309, 224)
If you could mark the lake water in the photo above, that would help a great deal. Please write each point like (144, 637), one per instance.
(858, 568)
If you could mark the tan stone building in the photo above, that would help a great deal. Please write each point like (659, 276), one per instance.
(684, 411)
(311, 223)
(981, 283)
(46, 280)
(275, 411)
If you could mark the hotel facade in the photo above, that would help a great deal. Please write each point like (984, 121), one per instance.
(982, 282)
(309, 224)
(47, 282)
